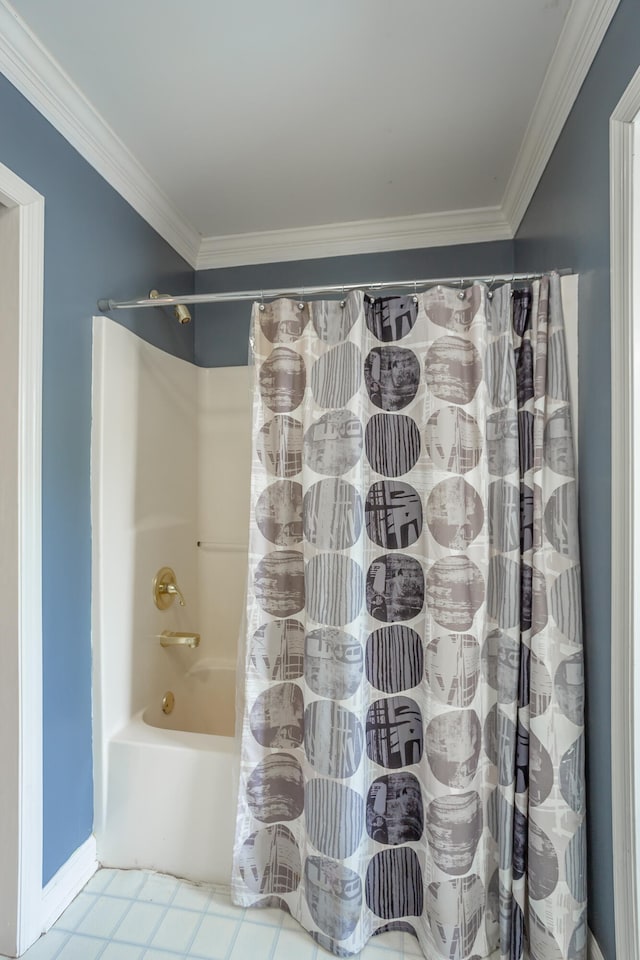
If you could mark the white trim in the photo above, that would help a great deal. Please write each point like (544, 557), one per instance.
(14, 192)
(30, 509)
(68, 882)
(100, 752)
(357, 236)
(625, 539)
(40, 78)
(593, 950)
(583, 31)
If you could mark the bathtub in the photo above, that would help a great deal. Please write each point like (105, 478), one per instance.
(172, 781)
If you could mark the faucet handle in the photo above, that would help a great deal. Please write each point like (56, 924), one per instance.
(175, 590)
(165, 589)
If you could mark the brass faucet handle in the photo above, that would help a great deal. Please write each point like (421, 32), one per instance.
(175, 590)
(165, 589)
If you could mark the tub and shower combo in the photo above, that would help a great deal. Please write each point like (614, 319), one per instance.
(170, 492)
(164, 675)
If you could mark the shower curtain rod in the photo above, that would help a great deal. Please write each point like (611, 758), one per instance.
(303, 291)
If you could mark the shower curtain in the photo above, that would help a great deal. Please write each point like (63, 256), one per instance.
(412, 737)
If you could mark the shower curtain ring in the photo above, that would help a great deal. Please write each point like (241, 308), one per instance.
(490, 291)
(343, 301)
(415, 292)
(461, 294)
(262, 299)
(300, 303)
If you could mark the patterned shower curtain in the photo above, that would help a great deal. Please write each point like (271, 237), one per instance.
(413, 741)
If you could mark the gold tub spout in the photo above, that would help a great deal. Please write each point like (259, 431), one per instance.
(172, 638)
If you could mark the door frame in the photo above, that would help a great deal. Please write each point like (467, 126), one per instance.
(625, 514)
(22, 466)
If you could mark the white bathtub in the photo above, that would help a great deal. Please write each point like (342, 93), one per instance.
(171, 792)
(205, 701)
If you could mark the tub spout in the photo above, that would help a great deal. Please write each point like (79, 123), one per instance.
(172, 638)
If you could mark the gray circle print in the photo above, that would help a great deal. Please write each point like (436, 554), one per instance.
(395, 588)
(451, 308)
(392, 442)
(332, 663)
(275, 789)
(394, 658)
(453, 369)
(393, 514)
(334, 589)
(277, 650)
(333, 739)
(278, 582)
(283, 379)
(336, 375)
(390, 318)
(392, 377)
(394, 732)
(279, 446)
(278, 513)
(269, 861)
(333, 444)
(453, 440)
(332, 511)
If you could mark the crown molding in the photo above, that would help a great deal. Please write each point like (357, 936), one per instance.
(582, 33)
(356, 236)
(39, 77)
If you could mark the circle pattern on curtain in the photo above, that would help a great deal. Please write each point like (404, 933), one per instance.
(412, 744)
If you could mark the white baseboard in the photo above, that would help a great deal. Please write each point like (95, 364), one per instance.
(68, 882)
(593, 950)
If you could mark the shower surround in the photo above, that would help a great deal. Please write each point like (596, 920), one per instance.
(160, 426)
(163, 433)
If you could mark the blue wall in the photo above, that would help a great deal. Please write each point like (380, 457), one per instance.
(95, 246)
(222, 330)
(568, 223)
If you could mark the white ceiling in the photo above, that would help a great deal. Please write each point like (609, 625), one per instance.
(255, 116)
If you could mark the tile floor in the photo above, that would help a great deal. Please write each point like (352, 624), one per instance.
(139, 915)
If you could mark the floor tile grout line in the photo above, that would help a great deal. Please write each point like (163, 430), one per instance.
(178, 906)
(233, 941)
(109, 939)
(124, 943)
(162, 951)
(167, 907)
(144, 946)
(187, 951)
(190, 955)
(84, 916)
(61, 947)
(272, 952)
(58, 924)
(120, 873)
